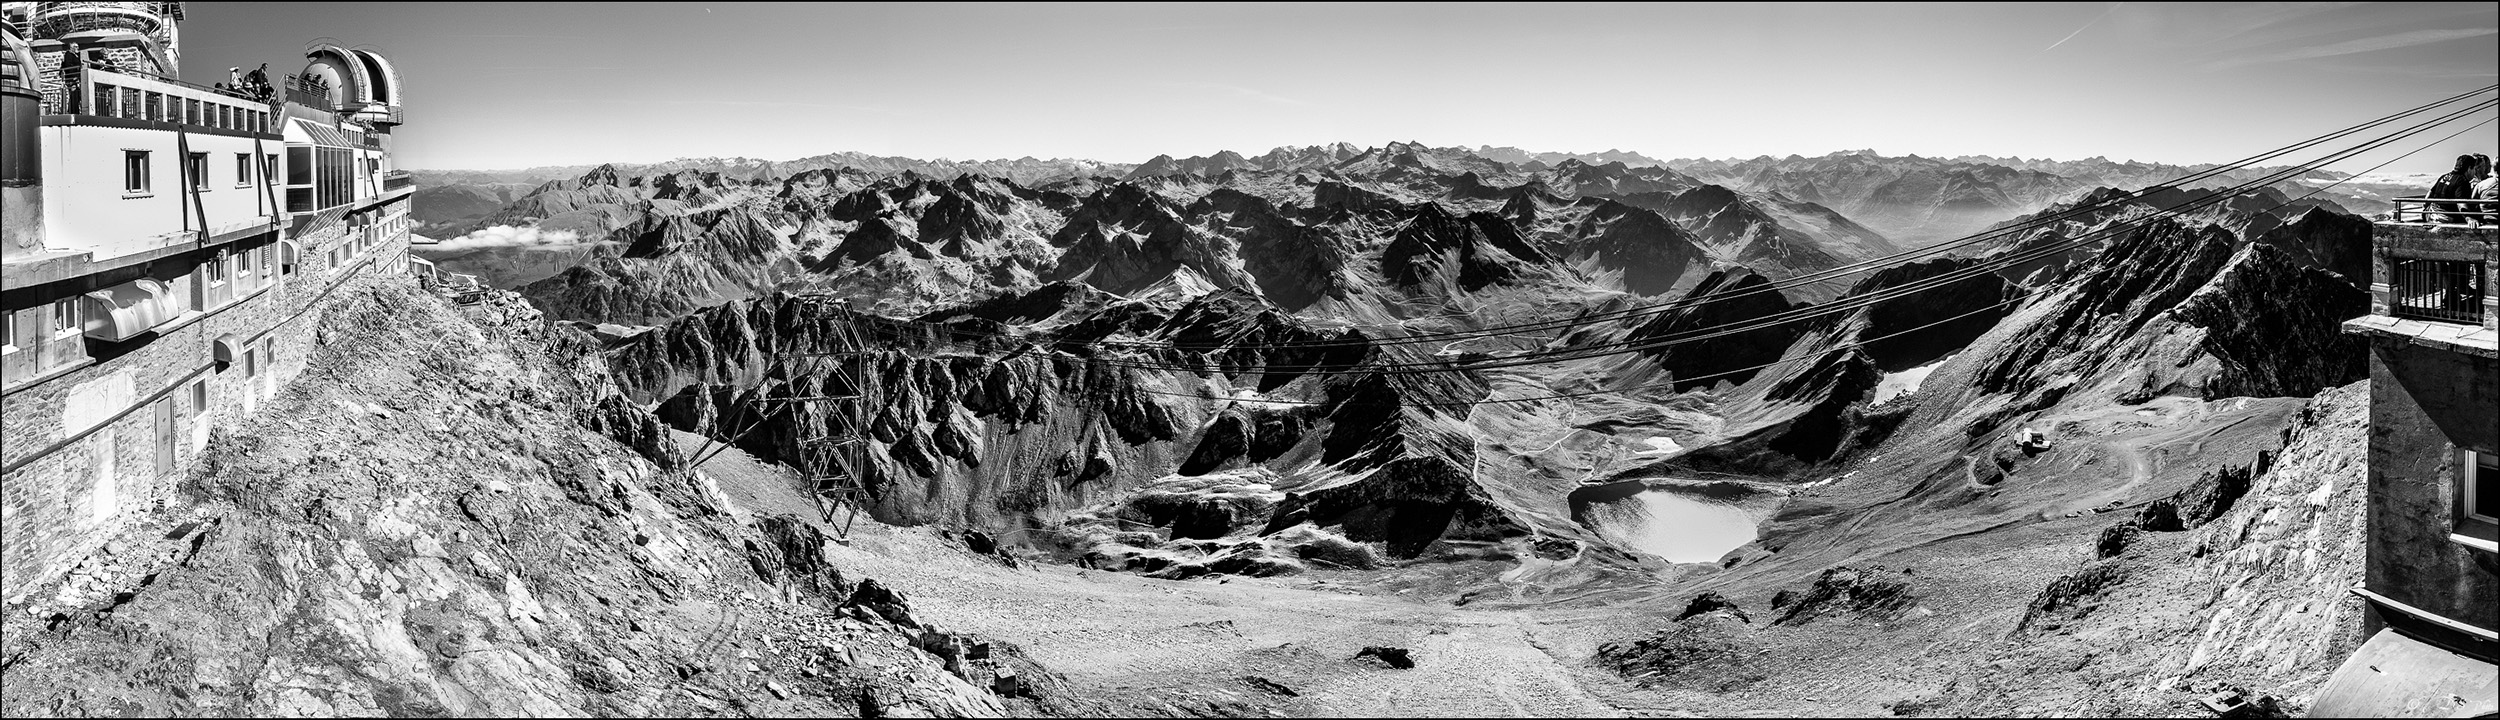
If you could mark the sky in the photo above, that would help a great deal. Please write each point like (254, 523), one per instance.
(516, 85)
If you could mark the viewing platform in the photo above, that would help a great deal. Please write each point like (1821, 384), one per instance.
(2432, 265)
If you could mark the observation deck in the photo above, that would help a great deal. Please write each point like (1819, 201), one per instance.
(2432, 263)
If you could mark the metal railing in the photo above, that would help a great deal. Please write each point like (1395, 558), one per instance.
(397, 179)
(2444, 211)
(2441, 290)
(308, 92)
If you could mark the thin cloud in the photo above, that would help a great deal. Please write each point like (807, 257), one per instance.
(1241, 92)
(2369, 44)
(2087, 25)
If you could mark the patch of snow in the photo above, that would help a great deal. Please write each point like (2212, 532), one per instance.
(1660, 445)
(1905, 382)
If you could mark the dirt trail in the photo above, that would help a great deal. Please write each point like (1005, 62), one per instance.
(1166, 644)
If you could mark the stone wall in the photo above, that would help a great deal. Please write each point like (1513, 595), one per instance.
(2426, 403)
(82, 454)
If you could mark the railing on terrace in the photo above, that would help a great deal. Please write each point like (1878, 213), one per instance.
(2445, 211)
(308, 92)
(139, 96)
(397, 179)
(2441, 290)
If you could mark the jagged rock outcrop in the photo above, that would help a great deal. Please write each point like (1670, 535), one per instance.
(1716, 331)
(2276, 326)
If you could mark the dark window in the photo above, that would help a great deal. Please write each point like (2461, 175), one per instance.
(299, 165)
(134, 171)
(2441, 290)
(105, 102)
(156, 107)
(242, 169)
(130, 104)
(65, 320)
(269, 168)
(198, 167)
(2485, 488)
(191, 111)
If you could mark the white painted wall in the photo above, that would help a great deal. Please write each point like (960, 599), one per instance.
(86, 209)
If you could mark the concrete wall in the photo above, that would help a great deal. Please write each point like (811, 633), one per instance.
(2425, 403)
(67, 490)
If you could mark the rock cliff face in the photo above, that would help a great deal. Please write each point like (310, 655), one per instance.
(1711, 349)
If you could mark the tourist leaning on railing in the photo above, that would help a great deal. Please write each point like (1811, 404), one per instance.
(2489, 187)
(2458, 184)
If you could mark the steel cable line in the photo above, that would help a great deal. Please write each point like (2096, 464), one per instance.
(1805, 313)
(1852, 268)
(1783, 361)
(1818, 276)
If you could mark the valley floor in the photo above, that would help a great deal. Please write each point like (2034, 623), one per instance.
(1971, 642)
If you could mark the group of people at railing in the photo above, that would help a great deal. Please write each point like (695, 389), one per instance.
(2472, 180)
(254, 85)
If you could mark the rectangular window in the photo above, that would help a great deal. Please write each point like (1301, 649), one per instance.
(103, 100)
(251, 362)
(265, 264)
(198, 169)
(217, 271)
(65, 320)
(135, 172)
(269, 168)
(243, 263)
(8, 332)
(199, 398)
(242, 170)
(191, 111)
(2478, 500)
(299, 165)
(130, 104)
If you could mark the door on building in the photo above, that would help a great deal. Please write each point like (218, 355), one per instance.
(165, 436)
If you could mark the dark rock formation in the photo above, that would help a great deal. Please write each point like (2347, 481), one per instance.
(1873, 592)
(1709, 348)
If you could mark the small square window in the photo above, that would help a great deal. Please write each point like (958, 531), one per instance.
(135, 172)
(65, 320)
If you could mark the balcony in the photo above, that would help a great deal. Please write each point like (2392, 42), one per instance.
(2428, 212)
(2432, 264)
(397, 179)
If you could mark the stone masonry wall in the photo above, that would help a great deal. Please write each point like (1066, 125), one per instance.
(63, 505)
(2425, 403)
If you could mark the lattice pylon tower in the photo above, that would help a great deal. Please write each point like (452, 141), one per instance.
(835, 463)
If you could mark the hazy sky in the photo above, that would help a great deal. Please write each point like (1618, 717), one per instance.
(510, 85)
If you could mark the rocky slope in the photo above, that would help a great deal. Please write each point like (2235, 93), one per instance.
(456, 515)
